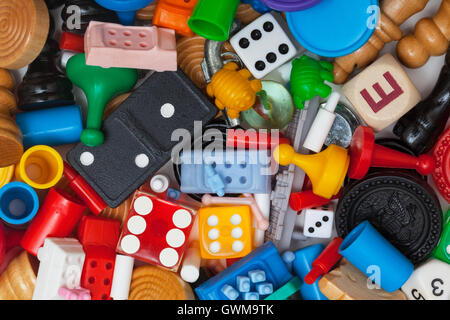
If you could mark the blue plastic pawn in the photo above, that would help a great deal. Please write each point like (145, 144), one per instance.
(215, 182)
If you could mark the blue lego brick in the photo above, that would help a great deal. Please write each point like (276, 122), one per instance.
(251, 296)
(257, 5)
(243, 171)
(230, 292)
(215, 181)
(265, 258)
(265, 288)
(243, 284)
(257, 276)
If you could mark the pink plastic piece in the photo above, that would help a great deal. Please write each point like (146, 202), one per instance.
(113, 45)
(74, 294)
(261, 222)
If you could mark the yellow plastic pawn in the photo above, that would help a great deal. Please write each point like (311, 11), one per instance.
(326, 170)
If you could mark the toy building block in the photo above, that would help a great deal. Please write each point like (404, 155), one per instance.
(307, 79)
(430, 38)
(429, 281)
(57, 217)
(61, 262)
(174, 14)
(25, 29)
(393, 14)
(99, 85)
(264, 45)
(225, 232)
(346, 282)
(325, 261)
(123, 271)
(327, 170)
(382, 93)
(421, 126)
(113, 45)
(442, 250)
(233, 90)
(263, 259)
(244, 171)
(126, 10)
(318, 222)
(136, 134)
(72, 42)
(159, 238)
(252, 139)
(441, 175)
(364, 153)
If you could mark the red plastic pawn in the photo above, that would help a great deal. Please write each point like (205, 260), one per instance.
(299, 201)
(72, 42)
(251, 139)
(325, 261)
(84, 190)
(364, 153)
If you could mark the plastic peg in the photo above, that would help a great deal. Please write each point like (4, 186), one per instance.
(364, 153)
(322, 124)
(159, 183)
(252, 139)
(215, 182)
(123, 270)
(306, 200)
(325, 261)
(125, 9)
(100, 85)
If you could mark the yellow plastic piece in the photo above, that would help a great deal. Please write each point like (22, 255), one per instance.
(233, 90)
(326, 170)
(41, 167)
(225, 222)
(6, 175)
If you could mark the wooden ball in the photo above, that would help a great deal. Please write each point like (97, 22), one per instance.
(6, 79)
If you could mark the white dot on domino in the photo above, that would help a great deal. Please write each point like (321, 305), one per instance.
(136, 225)
(168, 257)
(175, 238)
(86, 158)
(214, 247)
(182, 218)
(213, 234)
(237, 246)
(213, 221)
(143, 205)
(235, 219)
(167, 110)
(141, 160)
(130, 244)
(237, 233)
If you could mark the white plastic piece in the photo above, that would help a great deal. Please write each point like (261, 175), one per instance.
(159, 183)
(429, 281)
(263, 203)
(123, 270)
(264, 45)
(190, 270)
(322, 124)
(318, 223)
(61, 264)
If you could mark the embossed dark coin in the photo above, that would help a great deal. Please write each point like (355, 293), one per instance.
(402, 207)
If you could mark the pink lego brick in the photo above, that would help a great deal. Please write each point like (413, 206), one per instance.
(74, 294)
(113, 45)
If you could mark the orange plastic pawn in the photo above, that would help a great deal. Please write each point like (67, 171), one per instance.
(326, 170)
(174, 14)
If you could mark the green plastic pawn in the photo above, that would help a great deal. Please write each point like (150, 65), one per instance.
(307, 79)
(442, 251)
(100, 85)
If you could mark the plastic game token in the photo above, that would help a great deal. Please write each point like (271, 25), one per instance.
(290, 5)
(334, 28)
(441, 175)
(402, 207)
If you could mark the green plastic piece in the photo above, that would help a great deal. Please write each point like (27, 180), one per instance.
(100, 85)
(287, 290)
(212, 19)
(307, 79)
(442, 251)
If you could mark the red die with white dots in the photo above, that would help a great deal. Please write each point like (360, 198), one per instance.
(156, 231)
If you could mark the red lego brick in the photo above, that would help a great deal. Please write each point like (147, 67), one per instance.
(98, 231)
(72, 42)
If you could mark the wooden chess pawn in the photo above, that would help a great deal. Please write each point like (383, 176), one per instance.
(147, 13)
(43, 85)
(11, 148)
(393, 14)
(430, 38)
(18, 280)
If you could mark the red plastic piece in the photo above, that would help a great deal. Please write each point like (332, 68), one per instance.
(364, 153)
(84, 190)
(230, 262)
(251, 139)
(441, 175)
(325, 261)
(57, 217)
(72, 42)
(2, 243)
(98, 231)
(13, 237)
(174, 14)
(305, 200)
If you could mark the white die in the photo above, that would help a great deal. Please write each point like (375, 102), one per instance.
(264, 45)
(318, 223)
(61, 264)
(429, 281)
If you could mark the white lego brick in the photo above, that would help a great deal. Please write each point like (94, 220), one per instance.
(61, 264)
(318, 222)
(429, 281)
(264, 45)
